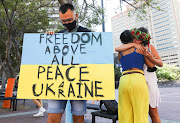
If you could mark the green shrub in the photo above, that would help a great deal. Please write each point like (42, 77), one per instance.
(168, 72)
(117, 73)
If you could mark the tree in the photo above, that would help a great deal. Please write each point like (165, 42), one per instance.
(117, 73)
(168, 72)
(141, 7)
(16, 18)
(90, 12)
(20, 16)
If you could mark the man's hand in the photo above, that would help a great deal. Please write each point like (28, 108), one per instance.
(50, 32)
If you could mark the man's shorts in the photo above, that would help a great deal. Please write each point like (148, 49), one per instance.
(78, 107)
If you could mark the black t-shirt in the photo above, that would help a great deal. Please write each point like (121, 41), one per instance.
(80, 29)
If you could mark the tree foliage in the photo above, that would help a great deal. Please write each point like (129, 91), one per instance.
(117, 73)
(141, 7)
(20, 16)
(168, 72)
(16, 18)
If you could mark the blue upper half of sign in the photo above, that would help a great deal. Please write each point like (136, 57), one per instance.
(67, 48)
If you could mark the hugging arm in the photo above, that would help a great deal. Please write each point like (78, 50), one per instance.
(154, 57)
(124, 47)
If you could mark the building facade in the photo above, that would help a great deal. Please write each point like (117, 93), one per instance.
(53, 13)
(163, 26)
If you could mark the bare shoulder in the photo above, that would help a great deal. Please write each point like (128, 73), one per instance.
(153, 50)
(128, 51)
(152, 47)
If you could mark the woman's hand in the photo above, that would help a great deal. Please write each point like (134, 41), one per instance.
(139, 47)
(149, 56)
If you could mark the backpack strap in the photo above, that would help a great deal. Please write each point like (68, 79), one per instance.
(101, 103)
(121, 54)
(100, 106)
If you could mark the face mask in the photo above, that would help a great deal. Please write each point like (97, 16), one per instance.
(70, 26)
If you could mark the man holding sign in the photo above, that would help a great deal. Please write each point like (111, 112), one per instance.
(75, 66)
(68, 18)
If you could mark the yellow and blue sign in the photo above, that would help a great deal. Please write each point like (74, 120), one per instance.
(75, 66)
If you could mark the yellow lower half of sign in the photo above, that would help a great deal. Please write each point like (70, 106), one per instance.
(67, 82)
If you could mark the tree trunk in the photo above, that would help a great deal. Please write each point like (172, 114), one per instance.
(10, 73)
(3, 79)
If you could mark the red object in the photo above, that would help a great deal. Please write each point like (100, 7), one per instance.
(133, 33)
(9, 92)
(148, 45)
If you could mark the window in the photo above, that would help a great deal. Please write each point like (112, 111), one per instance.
(164, 30)
(162, 26)
(162, 22)
(164, 56)
(166, 48)
(173, 55)
(164, 39)
(170, 59)
(164, 34)
(166, 43)
(162, 18)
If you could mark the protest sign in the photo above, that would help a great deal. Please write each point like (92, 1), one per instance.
(76, 66)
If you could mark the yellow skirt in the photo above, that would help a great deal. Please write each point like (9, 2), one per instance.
(133, 103)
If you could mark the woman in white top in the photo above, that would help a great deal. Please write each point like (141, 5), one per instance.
(150, 75)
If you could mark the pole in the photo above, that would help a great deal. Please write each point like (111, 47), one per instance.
(103, 24)
(69, 118)
(121, 5)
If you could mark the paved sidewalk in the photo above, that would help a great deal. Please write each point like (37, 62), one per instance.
(169, 110)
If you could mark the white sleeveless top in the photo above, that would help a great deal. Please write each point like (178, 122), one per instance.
(154, 94)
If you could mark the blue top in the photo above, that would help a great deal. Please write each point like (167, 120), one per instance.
(132, 60)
